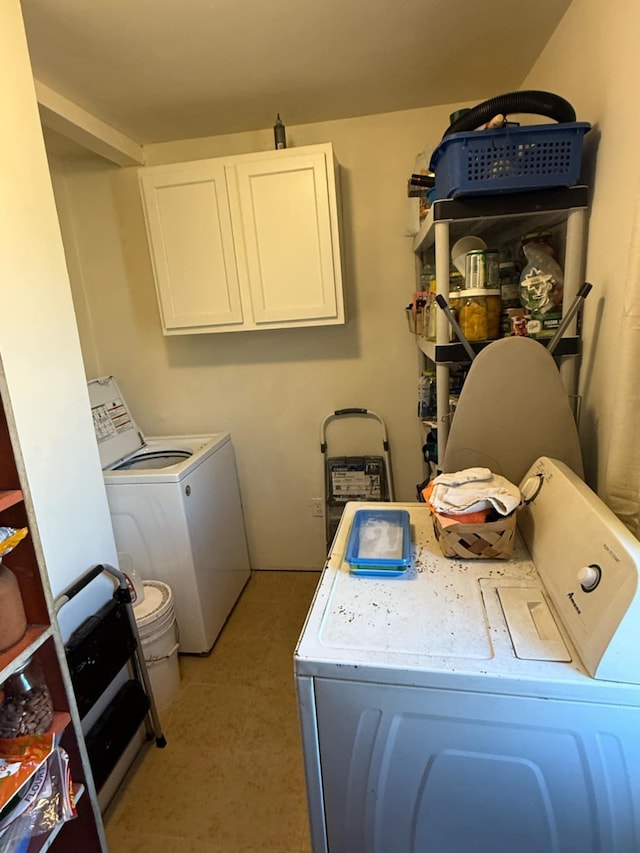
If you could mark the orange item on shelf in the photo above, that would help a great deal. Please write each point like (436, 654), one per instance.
(20, 757)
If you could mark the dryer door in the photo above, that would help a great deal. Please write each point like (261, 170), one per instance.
(412, 769)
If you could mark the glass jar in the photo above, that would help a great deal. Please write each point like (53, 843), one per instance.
(26, 707)
(509, 285)
(13, 622)
(427, 275)
(456, 281)
(542, 239)
(432, 312)
(494, 314)
(456, 300)
(479, 314)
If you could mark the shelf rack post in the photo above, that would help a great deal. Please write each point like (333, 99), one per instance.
(441, 231)
(574, 263)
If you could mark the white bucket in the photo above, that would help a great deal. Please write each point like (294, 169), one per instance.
(156, 621)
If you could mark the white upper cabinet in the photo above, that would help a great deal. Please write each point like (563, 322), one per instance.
(192, 247)
(246, 242)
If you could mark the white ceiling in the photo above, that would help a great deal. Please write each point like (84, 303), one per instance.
(160, 70)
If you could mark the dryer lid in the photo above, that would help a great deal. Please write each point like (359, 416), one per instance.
(116, 431)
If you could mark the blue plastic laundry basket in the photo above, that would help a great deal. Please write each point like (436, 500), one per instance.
(510, 159)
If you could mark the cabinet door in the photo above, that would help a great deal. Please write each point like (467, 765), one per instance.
(191, 243)
(287, 221)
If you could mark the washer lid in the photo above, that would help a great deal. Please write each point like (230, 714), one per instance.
(116, 431)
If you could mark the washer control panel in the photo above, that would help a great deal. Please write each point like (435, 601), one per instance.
(589, 563)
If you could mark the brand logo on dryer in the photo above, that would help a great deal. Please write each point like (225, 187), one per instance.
(576, 607)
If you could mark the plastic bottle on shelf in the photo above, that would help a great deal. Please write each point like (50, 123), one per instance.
(431, 312)
(509, 293)
(427, 396)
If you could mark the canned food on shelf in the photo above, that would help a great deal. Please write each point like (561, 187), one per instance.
(482, 269)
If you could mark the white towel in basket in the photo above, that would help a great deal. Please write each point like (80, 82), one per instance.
(471, 490)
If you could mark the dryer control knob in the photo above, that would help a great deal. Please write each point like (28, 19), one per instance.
(589, 577)
(530, 488)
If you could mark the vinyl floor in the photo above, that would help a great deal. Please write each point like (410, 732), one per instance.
(230, 779)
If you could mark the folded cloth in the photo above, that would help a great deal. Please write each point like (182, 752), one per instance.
(478, 517)
(468, 475)
(471, 495)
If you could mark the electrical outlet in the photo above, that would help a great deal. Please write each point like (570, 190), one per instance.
(316, 507)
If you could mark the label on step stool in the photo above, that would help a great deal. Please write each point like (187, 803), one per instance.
(356, 484)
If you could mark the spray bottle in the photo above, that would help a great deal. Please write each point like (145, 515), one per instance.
(279, 133)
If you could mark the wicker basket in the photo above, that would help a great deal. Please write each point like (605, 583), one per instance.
(492, 540)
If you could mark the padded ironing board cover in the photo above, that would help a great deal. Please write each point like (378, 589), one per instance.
(513, 408)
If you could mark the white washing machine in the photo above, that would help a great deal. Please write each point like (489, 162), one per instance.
(478, 706)
(176, 513)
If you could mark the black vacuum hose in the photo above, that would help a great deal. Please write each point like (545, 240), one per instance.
(528, 101)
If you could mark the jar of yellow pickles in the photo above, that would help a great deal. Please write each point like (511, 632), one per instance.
(479, 314)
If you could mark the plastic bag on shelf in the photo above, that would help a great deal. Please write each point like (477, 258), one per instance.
(48, 802)
(9, 538)
(20, 757)
(541, 281)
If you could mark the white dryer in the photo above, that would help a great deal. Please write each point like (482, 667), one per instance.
(479, 706)
(176, 514)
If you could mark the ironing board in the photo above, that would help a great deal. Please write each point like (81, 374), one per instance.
(513, 408)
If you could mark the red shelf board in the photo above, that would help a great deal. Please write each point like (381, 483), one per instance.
(10, 498)
(31, 635)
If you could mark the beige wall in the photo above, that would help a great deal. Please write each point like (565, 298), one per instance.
(271, 389)
(41, 376)
(592, 59)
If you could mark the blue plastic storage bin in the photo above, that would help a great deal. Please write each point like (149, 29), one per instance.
(509, 159)
(379, 542)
